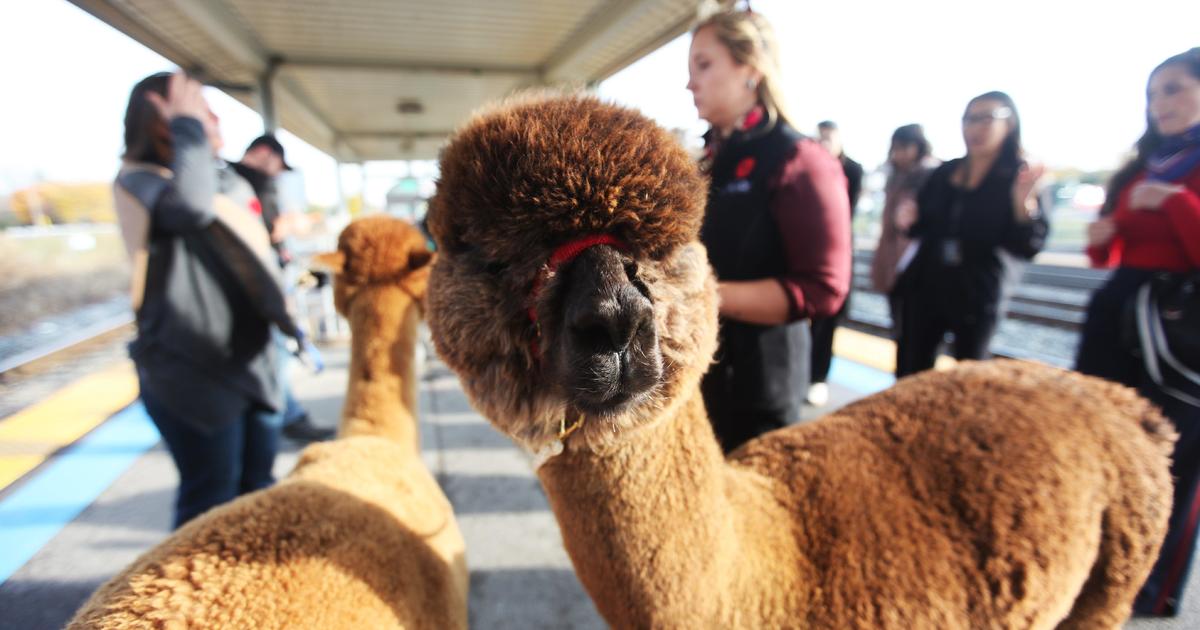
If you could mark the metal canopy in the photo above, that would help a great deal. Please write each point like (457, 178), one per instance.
(390, 79)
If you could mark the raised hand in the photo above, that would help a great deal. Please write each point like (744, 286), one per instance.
(184, 98)
(906, 214)
(1151, 195)
(1024, 187)
(1101, 231)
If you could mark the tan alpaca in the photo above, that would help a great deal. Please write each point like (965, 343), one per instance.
(359, 535)
(573, 299)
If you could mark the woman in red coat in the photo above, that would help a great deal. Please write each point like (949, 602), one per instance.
(1151, 223)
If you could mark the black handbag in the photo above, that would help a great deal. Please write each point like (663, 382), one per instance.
(1167, 319)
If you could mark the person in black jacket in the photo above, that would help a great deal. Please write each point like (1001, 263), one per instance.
(775, 229)
(206, 295)
(823, 328)
(978, 218)
(260, 165)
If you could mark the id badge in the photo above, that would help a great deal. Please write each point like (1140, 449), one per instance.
(951, 252)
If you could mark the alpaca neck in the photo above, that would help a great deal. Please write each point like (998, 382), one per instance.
(381, 397)
(660, 524)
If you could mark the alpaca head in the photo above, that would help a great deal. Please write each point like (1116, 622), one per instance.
(378, 254)
(570, 285)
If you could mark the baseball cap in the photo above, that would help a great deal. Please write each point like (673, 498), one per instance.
(273, 145)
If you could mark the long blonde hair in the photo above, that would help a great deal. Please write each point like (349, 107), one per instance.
(751, 41)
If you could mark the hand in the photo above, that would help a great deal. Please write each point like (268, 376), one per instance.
(906, 214)
(1101, 231)
(184, 98)
(1151, 195)
(1025, 187)
(311, 356)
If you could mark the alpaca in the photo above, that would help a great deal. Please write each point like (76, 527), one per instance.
(359, 535)
(575, 303)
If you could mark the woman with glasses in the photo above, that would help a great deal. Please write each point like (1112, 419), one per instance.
(976, 218)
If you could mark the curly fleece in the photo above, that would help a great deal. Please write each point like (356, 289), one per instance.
(1000, 495)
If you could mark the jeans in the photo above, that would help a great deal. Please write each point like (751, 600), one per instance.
(216, 467)
(292, 411)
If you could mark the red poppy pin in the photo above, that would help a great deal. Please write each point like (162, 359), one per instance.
(744, 168)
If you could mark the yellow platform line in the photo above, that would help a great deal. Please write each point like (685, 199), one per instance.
(873, 351)
(31, 435)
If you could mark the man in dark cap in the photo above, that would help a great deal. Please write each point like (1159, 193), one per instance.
(260, 165)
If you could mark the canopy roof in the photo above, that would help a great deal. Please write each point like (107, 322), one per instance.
(390, 79)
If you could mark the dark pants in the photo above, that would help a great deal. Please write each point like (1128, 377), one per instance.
(216, 467)
(895, 304)
(822, 342)
(1105, 351)
(1163, 590)
(292, 412)
(922, 329)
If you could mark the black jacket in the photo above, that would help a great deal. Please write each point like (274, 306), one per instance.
(761, 371)
(973, 247)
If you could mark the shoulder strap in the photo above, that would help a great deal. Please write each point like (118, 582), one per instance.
(1153, 341)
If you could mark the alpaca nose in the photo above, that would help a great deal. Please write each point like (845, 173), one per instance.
(606, 311)
(610, 322)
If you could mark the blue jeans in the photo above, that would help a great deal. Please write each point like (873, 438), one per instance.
(217, 467)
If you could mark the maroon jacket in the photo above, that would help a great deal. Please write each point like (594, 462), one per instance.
(809, 203)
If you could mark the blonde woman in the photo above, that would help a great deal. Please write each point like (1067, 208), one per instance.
(775, 229)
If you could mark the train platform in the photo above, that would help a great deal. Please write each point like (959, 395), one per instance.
(86, 486)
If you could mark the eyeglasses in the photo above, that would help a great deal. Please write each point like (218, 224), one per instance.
(1000, 113)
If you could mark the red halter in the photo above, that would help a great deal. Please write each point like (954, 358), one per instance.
(562, 255)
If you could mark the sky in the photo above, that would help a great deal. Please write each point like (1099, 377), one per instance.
(1077, 71)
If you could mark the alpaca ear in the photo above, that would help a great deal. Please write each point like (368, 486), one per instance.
(333, 262)
(419, 258)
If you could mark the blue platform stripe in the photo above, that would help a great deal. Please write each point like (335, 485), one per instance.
(32, 515)
(858, 377)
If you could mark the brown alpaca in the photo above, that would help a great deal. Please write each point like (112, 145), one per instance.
(574, 301)
(359, 535)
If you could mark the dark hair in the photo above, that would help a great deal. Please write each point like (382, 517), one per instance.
(1151, 139)
(913, 134)
(827, 124)
(1011, 152)
(146, 136)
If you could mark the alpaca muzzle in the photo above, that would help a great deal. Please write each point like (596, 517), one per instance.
(607, 352)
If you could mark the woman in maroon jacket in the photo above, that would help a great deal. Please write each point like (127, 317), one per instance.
(775, 229)
(1151, 223)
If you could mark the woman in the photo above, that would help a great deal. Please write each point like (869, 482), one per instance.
(977, 218)
(1150, 223)
(911, 162)
(205, 292)
(775, 229)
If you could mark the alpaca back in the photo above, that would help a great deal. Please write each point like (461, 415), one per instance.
(343, 542)
(996, 482)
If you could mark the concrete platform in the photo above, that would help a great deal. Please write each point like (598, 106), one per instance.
(520, 575)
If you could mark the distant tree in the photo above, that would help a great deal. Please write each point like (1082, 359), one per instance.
(53, 202)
